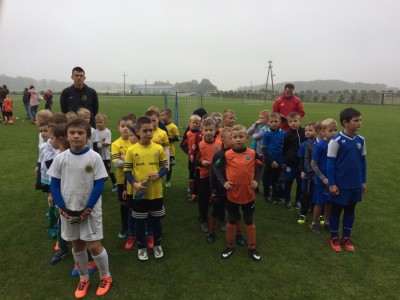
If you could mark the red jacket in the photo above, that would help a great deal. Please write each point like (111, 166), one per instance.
(284, 106)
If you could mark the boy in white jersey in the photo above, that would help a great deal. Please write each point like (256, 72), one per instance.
(77, 182)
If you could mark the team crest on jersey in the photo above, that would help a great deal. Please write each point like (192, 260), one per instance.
(89, 169)
(247, 157)
(359, 146)
(343, 141)
(84, 98)
(216, 147)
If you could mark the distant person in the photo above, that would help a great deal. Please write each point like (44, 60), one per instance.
(7, 109)
(3, 94)
(286, 104)
(80, 95)
(34, 102)
(48, 96)
(25, 101)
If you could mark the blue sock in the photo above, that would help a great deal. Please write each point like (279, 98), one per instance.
(348, 221)
(334, 225)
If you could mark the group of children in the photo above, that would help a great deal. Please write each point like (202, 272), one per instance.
(328, 167)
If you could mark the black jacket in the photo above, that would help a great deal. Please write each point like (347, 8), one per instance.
(291, 145)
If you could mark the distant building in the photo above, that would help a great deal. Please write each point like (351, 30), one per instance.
(153, 89)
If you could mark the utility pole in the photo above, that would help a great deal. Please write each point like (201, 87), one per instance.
(124, 74)
(272, 78)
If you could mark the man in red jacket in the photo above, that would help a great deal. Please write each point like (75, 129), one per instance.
(287, 103)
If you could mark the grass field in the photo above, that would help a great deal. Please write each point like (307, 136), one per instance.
(295, 263)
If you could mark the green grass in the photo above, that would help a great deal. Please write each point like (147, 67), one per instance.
(295, 263)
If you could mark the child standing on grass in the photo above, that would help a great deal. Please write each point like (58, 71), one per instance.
(291, 144)
(145, 164)
(228, 118)
(103, 135)
(273, 158)
(243, 170)
(306, 186)
(256, 131)
(346, 176)
(173, 136)
(206, 149)
(8, 110)
(77, 182)
(85, 114)
(318, 165)
(118, 152)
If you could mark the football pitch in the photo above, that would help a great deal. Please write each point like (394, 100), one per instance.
(295, 262)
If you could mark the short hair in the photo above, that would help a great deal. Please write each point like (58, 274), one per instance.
(275, 115)
(289, 86)
(327, 123)
(83, 110)
(44, 114)
(311, 124)
(58, 118)
(71, 115)
(59, 131)
(155, 108)
(125, 118)
(78, 69)
(195, 118)
(238, 127)
(151, 113)
(226, 131)
(141, 121)
(80, 123)
(133, 117)
(265, 113)
(44, 123)
(318, 126)
(103, 116)
(167, 111)
(226, 112)
(294, 115)
(347, 114)
(209, 122)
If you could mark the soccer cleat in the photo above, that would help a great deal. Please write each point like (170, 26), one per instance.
(227, 253)
(82, 288)
(104, 286)
(167, 184)
(91, 267)
(56, 247)
(122, 234)
(211, 238)
(158, 252)
(270, 200)
(289, 206)
(114, 188)
(348, 244)
(240, 240)
(315, 228)
(193, 198)
(130, 243)
(321, 220)
(150, 242)
(302, 219)
(75, 272)
(142, 254)
(204, 227)
(253, 253)
(335, 244)
(58, 256)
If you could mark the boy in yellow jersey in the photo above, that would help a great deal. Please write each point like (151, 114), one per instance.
(173, 136)
(145, 164)
(118, 151)
(159, 136)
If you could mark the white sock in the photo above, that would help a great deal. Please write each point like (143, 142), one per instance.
(81, 262)
(101, 261)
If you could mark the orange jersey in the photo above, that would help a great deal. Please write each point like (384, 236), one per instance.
(206, 152)
(240, 170)
(192, 138)
(8, 105)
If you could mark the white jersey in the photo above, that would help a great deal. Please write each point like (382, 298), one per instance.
(78, 173)
(93, 138)
(105, 137)
(47, 153)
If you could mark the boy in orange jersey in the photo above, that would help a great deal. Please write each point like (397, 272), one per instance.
(206, 149)
(243, 171)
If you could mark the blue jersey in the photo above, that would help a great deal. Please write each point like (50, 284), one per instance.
(273, 145)
(346, 161)
(319, 155)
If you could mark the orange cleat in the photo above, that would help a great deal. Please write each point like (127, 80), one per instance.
(104, 285)
(82, 288)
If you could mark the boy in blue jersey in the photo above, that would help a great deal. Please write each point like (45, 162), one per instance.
(273, 158)
(346, 169)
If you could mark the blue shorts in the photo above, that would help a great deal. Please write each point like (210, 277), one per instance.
(320, 194)
(346, 196)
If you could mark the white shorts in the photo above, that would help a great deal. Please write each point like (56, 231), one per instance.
(89, 229)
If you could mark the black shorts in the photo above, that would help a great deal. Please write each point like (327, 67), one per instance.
(234, 213)
(143, 208)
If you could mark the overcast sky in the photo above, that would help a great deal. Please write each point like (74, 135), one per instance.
(227, 41)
